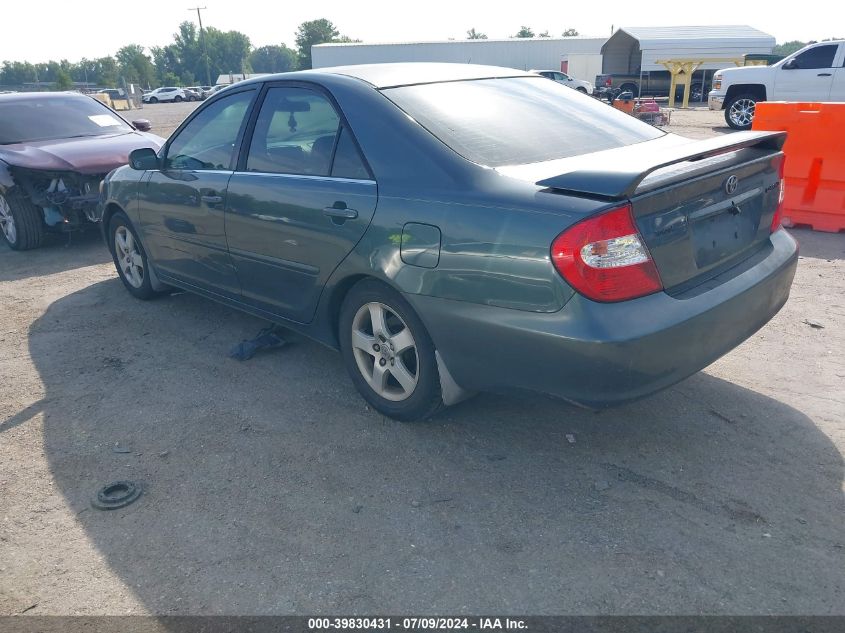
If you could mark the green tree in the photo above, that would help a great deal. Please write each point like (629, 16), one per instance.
(17, 73)
(472, 34)
(310, 33)
(272, 59)
(62, 79)
(134, 65)
(228, 52)
(571, 33)
(544, 34)
(525, 32)
(787, 48)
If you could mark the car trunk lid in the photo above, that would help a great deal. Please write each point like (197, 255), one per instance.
(700, 206)
(698, 226)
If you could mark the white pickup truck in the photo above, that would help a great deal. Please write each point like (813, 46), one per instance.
(815, 73)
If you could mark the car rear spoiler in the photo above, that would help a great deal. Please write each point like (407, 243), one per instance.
(621, 179)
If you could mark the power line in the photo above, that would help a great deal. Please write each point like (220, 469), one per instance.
(199, 11)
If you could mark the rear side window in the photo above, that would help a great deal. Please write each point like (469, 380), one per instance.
(295, 133)
(520, 120)
(818, 57)
(347, 159)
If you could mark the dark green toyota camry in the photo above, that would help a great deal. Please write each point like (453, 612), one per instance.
(459, 228)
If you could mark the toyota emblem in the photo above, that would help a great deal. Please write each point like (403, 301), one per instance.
(731, 184)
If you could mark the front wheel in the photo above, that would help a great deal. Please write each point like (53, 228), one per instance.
(581, 89)
(20, 221)
(388, 353)
(739, 112)
(129, 256)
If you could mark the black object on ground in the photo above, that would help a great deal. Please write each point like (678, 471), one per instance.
(267, 339)
(116, 495)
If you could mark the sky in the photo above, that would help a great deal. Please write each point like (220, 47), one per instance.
(68, 29)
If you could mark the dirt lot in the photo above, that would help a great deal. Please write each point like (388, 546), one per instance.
(270, 488)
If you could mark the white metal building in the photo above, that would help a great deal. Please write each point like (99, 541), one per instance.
(578, 55)
(633, 50)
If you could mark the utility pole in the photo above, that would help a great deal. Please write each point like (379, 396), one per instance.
(202, 41)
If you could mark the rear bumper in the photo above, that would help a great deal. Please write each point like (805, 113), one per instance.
(603, 354)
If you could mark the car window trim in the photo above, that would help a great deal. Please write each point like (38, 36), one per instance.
(233, 162)
(243, 154)
(338, 179)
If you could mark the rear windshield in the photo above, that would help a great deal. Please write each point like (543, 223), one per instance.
(56, 117)
(518, 120)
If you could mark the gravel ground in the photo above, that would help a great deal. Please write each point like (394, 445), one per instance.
(269, 487)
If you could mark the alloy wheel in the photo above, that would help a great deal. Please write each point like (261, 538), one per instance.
(385, 351)
(742, 112)
(129, 257)
(7, 222)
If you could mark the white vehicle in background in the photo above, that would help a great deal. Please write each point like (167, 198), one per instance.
(576, 84)
(815, 73)
(215, 89)
(160, 95)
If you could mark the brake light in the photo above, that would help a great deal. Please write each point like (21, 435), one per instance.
(608, 82)
(777, 218)
(605, 259)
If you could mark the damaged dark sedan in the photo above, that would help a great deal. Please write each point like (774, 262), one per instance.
(455, 228)
(55, 149)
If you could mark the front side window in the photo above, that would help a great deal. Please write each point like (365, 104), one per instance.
(295, 133)
(517, 120)
(818, 57)
(208, 140)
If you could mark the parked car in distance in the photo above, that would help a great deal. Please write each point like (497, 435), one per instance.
(165, 94)
(215, 89)
(453, 228)
(815, 73)
(55, 149)
(555, 75)
(194, 93)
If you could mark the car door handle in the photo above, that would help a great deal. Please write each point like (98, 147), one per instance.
(344, 213)
(212, 199)
(823, 75)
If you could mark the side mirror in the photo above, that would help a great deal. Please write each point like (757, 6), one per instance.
(143, 159)
(792, 64)
(142, 125)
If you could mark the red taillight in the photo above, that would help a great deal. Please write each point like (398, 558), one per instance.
(605, 259)
(777, 218)
(608, 82)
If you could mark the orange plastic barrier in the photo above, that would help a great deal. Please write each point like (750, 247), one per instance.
(626, 105)
(815, 161)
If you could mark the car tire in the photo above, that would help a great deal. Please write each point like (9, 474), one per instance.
(388, 353)
(130, 258)
(153, 100)
(581, 89)
(632, 88)
(21, 222)
(739, 111)
(177, 99)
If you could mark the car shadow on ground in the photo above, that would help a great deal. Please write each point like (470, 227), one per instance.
(56, 254)
(269, 487)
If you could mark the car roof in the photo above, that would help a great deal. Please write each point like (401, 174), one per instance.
(405, 73)
(24, 96)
